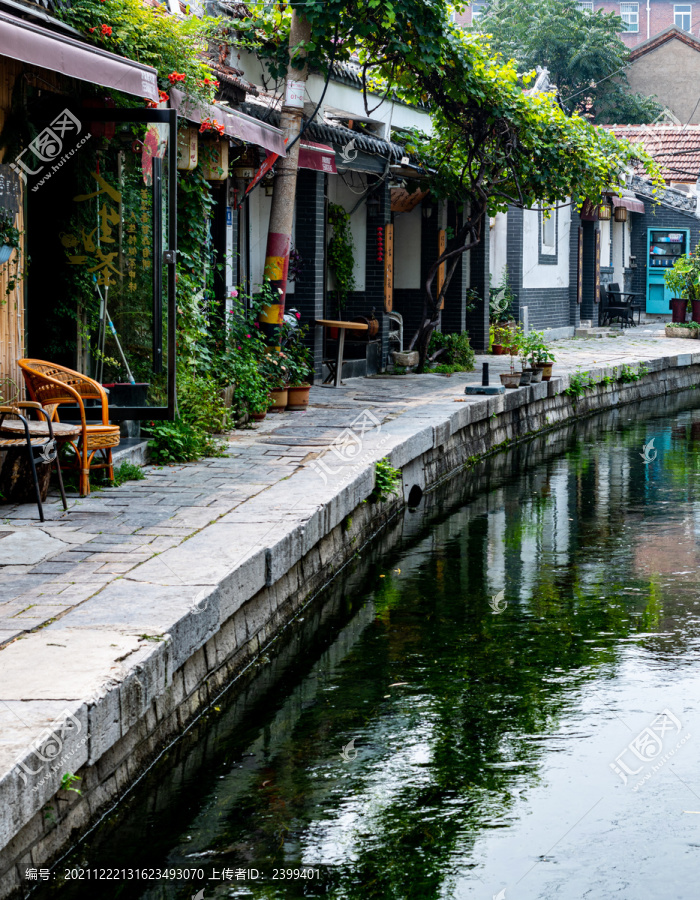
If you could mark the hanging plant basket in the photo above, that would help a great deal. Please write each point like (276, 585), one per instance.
(5, 253)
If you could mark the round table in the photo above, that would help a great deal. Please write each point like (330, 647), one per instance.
(15, 480)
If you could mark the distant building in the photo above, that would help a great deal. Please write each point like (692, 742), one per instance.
(668, 67)
(642, 20)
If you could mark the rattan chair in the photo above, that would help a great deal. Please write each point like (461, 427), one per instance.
(51, 385)
(44, 444)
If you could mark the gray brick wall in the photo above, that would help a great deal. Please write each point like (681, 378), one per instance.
(310, 243)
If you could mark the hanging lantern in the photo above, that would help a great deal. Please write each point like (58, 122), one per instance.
(604, 212)
(187, 149)
(215, 160)
(620, 213)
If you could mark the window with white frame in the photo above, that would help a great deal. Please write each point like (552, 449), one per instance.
(477, 8)
(585, 5)
(629, 13)
(549, 231)
(681, 16)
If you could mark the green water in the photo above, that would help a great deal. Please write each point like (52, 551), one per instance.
(517, 671)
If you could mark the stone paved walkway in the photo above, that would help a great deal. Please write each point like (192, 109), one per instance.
(46, 570)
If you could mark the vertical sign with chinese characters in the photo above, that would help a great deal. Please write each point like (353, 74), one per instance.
(389, 268)
(98, 249)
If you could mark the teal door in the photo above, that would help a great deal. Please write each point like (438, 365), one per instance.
(664, 246)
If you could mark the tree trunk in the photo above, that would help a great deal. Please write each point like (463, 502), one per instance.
(284, 190)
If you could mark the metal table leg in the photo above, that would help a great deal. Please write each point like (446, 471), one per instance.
(339, 364)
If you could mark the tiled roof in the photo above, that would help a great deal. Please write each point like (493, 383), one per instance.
(667, 196)
(676, 148)
(672, 33)
(330, 134)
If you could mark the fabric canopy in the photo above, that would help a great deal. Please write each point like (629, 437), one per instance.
(40, 47)
(320, 157)
(236, 124)
(630, 203)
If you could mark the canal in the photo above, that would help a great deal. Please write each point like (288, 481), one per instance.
(499, 698)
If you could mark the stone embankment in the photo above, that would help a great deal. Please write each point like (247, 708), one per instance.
(125, 618)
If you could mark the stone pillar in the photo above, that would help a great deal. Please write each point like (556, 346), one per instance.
(310, 244)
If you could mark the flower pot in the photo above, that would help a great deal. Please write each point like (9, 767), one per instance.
(695, 304)
(510, 380)
(678, 309)
(547, 371)
(525, 378)
(278, 400)
(298, 396)
(258, 417)
(406, 358)
(537, 373)
(497, 349)
(5, 253)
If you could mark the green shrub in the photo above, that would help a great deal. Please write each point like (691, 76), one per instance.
(199, 403)
(386, 480)
(452, 350)
(127, 471)
(179, 441)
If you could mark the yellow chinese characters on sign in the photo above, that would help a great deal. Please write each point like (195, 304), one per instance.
(86, 248)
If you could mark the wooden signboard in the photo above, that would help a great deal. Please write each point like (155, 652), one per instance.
(596, 284)
(388, 268)
(442, 243)
(579, 283)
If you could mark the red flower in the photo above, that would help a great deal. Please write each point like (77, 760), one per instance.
(298, 315)
(106, 29)
(162, 96)
(91, 30)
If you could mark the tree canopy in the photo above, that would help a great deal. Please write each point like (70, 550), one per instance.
(582, 51)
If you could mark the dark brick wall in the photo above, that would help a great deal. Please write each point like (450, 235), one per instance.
(656, 217)
(589, 308)
(574, 307)
(310, 242)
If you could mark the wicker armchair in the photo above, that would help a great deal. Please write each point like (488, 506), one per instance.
(51, 385)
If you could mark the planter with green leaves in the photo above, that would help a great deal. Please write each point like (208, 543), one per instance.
(10, 241)
(540, 354)
(299, 363)
(683, 280)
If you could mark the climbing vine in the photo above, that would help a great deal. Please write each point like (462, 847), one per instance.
(341, 253)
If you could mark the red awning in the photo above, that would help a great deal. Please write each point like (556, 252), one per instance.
(39, 47)
(320, 157)
(236, 124)
(630, 203)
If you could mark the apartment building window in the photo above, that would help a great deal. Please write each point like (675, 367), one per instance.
(681, 16)
(585, 5)
(477, 8)
(629, 13)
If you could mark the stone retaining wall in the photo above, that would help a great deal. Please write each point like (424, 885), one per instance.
(202, 641)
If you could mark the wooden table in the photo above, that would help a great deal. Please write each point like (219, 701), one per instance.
(62, 431)
(342, 327)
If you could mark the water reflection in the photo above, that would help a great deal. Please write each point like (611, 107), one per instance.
(490, 741)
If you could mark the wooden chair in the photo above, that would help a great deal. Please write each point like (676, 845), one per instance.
(51, 385)
(45, 444)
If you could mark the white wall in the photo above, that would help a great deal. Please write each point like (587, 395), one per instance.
(339, 192)
(542, 276)
(407, 234)
(605, 253)
(498, 248)
(260, 206)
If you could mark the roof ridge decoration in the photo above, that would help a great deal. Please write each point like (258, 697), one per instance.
(665, 195)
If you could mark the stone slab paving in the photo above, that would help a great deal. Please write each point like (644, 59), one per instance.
(46, 570)
(100, 605)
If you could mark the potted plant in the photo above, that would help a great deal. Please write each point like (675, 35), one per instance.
(512, 337)
(299, 363)
(683, 280)
(10, 236)
(500, 313)
(541, 357)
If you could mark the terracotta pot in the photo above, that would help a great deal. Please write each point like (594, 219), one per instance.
(678, 306)
(298, 396)
(258, 417)
(278, 400)
(547, 371)
(695, 304)
(510, 381)
(497, 349)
